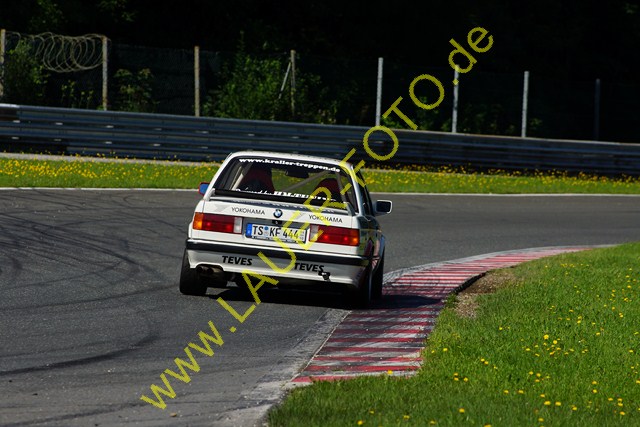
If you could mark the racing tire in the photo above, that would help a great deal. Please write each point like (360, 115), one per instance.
(190, 283)
(361, 298)
(376, 286)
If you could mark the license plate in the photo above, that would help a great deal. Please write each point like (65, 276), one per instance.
(270, 232)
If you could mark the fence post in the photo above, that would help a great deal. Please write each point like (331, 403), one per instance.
(105, 76)
(3, 46)
(284, 80)
(196, 79)
(454, 115)
(379, 91)
(596, 112)
(525, 104)
(293, 84)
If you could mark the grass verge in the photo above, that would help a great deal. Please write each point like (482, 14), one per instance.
(555, 344)
(100, 174)
(446, 180)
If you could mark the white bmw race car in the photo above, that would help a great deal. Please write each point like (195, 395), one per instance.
(297, 220)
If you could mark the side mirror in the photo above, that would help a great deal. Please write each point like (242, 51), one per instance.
(202, 188)
(383, 207)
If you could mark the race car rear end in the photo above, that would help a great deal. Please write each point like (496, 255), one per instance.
(297, 219)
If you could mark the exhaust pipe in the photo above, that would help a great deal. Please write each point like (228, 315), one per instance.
(209, 270)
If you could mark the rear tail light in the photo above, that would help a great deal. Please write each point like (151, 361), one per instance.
(218, 223)
(335, 235)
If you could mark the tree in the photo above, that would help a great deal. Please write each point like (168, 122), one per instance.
(252, 91)
(134, 91)
(25, 78)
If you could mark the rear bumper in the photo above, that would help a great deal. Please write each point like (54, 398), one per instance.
(317, 267)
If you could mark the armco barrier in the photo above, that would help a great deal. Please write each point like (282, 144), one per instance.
(89, 132)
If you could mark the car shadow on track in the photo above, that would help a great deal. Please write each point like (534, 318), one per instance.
(284, 296)
(311, 298)
(402, 301)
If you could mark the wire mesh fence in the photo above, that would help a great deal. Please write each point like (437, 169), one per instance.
(337, 90)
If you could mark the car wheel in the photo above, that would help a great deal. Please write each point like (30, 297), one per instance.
(190, 283)
(376, 289)
(361, 298)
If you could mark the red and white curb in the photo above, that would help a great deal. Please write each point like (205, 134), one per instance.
(389, 338)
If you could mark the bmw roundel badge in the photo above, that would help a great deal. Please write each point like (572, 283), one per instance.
(277, 213)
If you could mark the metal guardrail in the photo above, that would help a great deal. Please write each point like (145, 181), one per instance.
(159, 136)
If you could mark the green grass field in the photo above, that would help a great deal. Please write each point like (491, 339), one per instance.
(99, 174)
(556, 345)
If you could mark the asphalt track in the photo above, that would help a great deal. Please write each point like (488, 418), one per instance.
(90, 314)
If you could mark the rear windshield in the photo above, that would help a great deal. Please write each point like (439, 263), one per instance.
(284, 179)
